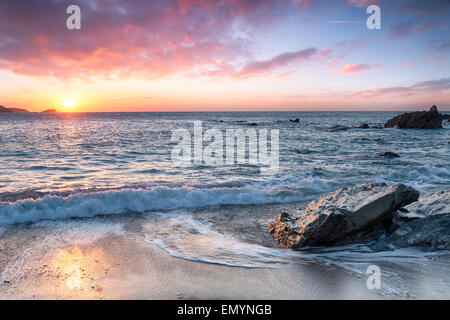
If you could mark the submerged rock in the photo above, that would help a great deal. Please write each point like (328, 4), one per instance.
(253, 124)
(389, 155)
(295, 120)
(337, 216)
(337, 128)
(431, 119)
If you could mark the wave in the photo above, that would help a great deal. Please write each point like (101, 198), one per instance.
(182, 236)
(418, 176)
(53, 207)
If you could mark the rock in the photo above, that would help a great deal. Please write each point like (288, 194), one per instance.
(283, 231)
(253, 124)
(337, 216)
(364, 126)
(295, 120)
(425, 225)
(431, 233)
(50, 111)
(376, 127)
(431, 119)
(389, 155)
(18, 110)
(433, 204)
(4, 110)
(337, 128)
(12, 110)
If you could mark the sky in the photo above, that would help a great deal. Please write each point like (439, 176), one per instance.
(224, 55)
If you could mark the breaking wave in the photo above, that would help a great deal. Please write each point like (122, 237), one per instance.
(78, 205)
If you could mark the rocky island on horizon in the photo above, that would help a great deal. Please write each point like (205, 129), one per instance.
(4, 109)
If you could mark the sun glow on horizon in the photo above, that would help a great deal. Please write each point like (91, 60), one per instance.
(69, 103)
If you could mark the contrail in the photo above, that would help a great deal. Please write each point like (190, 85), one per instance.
(343, 21)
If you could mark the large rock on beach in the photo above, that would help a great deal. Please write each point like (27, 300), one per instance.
(431, 233)
(337, 216)
(424, 224)
(431, 119)
(433, 204)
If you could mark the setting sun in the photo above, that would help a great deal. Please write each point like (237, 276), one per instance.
(69, 103)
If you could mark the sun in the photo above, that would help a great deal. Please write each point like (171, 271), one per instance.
(69, 103)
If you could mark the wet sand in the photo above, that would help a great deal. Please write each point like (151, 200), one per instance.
(110, 257)
(41, 262)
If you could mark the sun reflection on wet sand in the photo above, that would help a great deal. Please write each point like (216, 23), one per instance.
(79, 271)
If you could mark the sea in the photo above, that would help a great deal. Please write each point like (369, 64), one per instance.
(57, 168)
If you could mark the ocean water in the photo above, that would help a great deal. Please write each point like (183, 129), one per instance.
(81, 165)
(63, 166)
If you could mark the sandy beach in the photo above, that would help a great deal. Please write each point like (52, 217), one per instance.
(126, 267)
(115, 261)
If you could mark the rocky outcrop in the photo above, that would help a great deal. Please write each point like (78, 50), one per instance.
(340, 215)
(50, 111)
(4, 110)
(18, 110)
(433, 204)
(295, 120)
(424, 224)
(429, 233)
(339, 127)
(431, 119)
(12, 110)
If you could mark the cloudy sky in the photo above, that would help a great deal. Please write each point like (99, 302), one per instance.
(204, 55)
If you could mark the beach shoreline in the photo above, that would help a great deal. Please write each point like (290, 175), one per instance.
(115, 261)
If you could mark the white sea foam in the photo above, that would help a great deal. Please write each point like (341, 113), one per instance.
(183, 236)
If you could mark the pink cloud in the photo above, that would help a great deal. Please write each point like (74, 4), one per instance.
(356, 68)
(130, 38)
(362, 3)
(432, 86)
(405, 64)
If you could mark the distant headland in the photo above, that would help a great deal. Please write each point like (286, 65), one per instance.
(19, 110)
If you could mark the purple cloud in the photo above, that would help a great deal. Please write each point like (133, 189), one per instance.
(276, 62)
(126, 38)
(400, 30)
